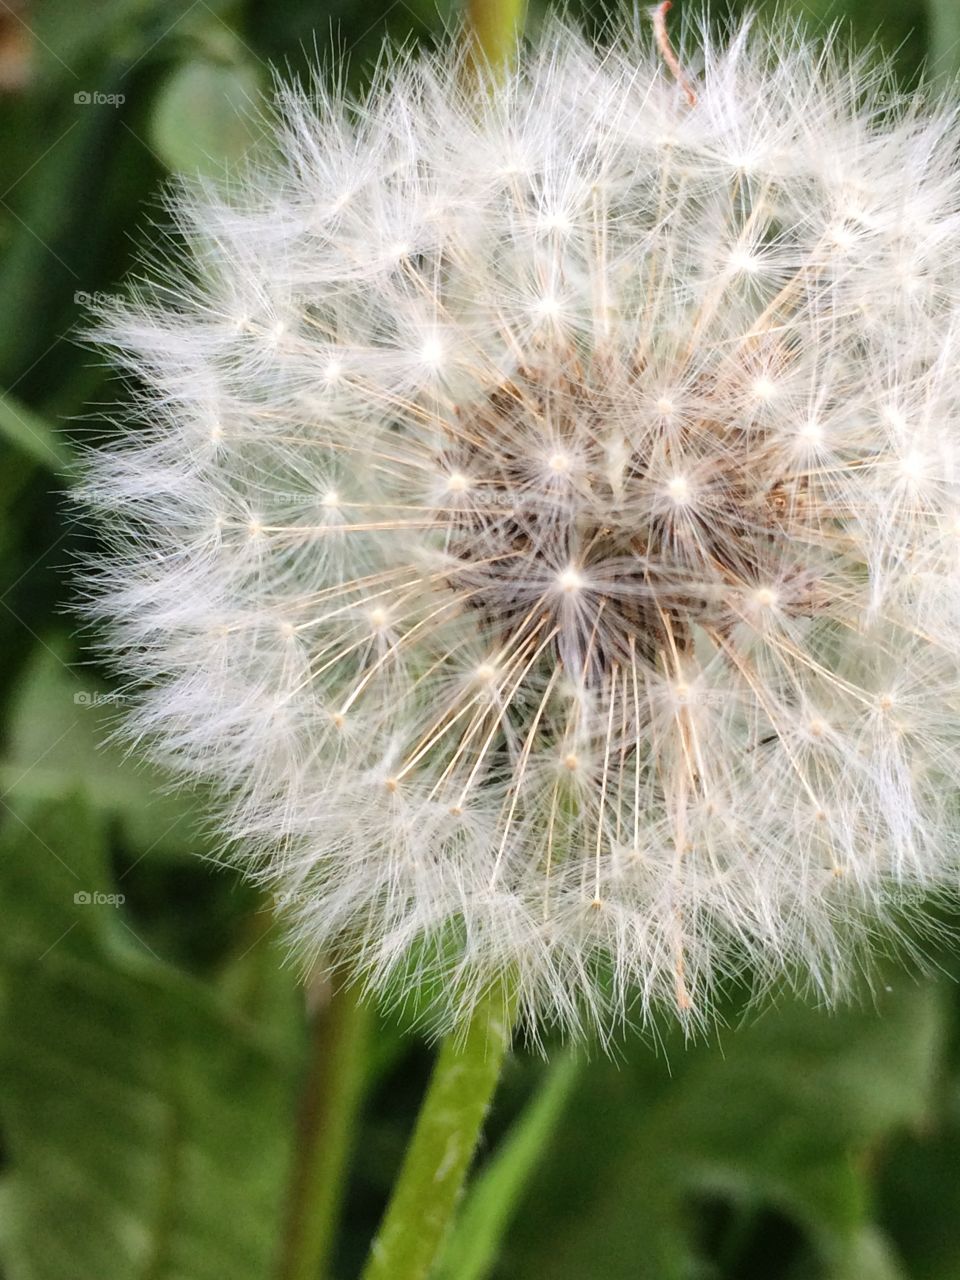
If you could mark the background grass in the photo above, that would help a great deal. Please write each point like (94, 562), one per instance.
(152, 1038)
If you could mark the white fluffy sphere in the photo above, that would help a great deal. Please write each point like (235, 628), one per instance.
(540, 519)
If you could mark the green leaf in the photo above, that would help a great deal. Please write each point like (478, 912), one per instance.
(871, 1255)
(146, 1124)
(919, 1190)
(944, 22)
(783, 1115)
(56, 742)
(496, 1193)
(32, 435)
(128, 31)
(202, 119)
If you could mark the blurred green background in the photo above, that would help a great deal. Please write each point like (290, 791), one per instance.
(154, 1036)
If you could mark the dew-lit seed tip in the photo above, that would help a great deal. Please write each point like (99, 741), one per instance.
(570, 580)
(811, 431)
(763, 388)
(432, 353)
(539, 518)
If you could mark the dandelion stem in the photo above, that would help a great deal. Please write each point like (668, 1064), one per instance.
(494, 28)
(432, 1177)
(331, 1096)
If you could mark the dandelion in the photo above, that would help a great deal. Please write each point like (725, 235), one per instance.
(540, 519)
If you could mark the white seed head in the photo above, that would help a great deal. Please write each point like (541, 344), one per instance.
(621, 652)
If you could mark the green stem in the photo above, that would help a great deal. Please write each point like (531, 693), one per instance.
(495, 27)
(426, 1193)
(943, 18)
(330, 1100)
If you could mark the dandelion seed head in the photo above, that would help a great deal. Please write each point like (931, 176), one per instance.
(539, 521)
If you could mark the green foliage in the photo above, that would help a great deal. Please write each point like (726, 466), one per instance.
(58, 724)
(202, 121)
(31, 436)
(148, 1123)
(471, 1252)
(783, 1116)
(151, 1050)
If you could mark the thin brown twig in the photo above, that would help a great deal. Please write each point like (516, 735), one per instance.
(667, 51)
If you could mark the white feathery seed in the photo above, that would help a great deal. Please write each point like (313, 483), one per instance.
(539, 519)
